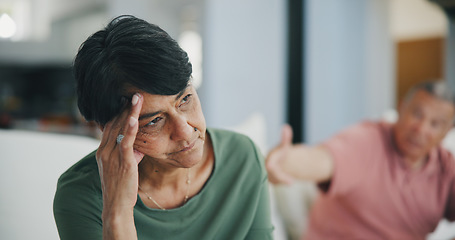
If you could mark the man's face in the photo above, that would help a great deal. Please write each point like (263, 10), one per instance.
(424, 121)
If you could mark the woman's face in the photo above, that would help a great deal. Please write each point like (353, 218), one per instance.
(172, 129)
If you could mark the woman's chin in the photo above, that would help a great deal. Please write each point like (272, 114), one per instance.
(191, 160)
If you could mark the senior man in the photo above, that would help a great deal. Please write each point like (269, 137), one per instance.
(378, 180)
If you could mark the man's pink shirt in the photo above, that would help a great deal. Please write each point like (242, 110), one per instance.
(373, 195)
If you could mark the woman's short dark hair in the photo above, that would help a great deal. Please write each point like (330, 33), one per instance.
(128, 52)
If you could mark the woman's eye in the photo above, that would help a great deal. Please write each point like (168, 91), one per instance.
(185, 100)
(154, 121)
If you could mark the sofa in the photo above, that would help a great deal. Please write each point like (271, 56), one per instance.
(32, 161)
(30, 165)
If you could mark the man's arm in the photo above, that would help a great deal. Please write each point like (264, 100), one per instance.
(288, 162)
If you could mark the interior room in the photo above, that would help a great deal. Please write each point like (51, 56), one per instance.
(256, 65)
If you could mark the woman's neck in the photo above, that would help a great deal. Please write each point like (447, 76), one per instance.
(170, 187)
(158, 176)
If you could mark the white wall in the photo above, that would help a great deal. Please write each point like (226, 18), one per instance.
(349, 64)
(160, 12)
(244, 63)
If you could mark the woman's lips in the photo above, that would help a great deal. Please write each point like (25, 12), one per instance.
(185, 149)
(188, 148)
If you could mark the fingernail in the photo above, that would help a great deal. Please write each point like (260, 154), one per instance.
(132, 121)
(135, 99)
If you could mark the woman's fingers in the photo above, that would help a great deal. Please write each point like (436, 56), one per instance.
(105, 135)
(136, 105)
(117, 160)
(120, 150)
(111, 131)
(131, 127)
(119, 126)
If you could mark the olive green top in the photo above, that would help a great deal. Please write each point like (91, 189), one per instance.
(233, 204)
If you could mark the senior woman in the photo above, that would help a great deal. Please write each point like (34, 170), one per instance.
(158, 173)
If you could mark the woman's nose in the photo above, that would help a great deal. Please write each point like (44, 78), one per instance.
(182, 129)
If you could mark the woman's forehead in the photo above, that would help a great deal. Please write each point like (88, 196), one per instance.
(130, 90)
(156, 102)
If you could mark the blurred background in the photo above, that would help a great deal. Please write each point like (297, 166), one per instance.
(320, 65)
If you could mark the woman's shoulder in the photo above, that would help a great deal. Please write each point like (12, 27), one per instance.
(235, 149)
(83, 172)
(78, 197)
(228, 137)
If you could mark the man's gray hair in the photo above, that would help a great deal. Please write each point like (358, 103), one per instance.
(440, 89)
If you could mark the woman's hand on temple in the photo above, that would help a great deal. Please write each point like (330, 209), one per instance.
(118, 169)
(277, 156)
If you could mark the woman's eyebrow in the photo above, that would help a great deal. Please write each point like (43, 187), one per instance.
(148, 115)
(182, 92)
